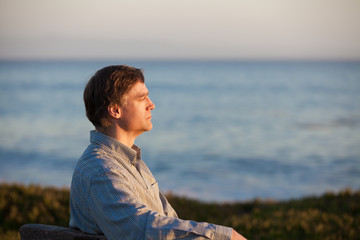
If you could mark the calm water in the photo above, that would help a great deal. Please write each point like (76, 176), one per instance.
(222, 130)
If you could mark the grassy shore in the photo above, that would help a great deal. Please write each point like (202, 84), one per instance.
(330, 216)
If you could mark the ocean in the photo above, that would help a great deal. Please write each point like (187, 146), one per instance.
(223, 130)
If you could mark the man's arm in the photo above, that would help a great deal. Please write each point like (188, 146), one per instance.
(120, 214)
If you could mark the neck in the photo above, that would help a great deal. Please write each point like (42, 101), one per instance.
(119, 134)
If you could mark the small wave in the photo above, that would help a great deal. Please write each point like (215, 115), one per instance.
(350, 122)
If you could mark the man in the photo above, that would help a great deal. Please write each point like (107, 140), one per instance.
(112, 191)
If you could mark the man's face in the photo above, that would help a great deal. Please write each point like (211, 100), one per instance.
(136, 110)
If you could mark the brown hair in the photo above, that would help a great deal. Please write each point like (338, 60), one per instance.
(108, 86)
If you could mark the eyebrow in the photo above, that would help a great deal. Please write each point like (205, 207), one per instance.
(143, 94)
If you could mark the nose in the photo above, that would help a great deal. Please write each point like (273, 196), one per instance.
(151, 105)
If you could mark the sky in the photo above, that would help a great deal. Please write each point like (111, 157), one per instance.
(182, 29)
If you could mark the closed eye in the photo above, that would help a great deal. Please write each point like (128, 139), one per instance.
(142, 99)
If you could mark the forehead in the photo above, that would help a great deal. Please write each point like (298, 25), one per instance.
(138, 90)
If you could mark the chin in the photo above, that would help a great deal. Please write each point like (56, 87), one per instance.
(147, 128)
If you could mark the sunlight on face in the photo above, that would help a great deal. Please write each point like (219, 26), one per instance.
(136, 111)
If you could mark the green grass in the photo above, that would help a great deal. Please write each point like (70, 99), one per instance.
(330, 216)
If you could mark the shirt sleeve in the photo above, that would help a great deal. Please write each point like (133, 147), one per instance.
(120, 214)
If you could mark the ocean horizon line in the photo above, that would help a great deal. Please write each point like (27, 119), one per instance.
(185, 60)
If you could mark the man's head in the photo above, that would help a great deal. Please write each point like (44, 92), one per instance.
(109, 87)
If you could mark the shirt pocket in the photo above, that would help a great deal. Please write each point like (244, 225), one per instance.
(155, 187)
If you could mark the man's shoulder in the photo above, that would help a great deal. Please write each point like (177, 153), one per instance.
(95, 161)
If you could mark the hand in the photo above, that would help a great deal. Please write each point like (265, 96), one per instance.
(237, 236)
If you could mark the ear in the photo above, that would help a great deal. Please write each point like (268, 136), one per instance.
(114, 111)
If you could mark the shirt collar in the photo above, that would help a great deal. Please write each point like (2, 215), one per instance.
(133, 154)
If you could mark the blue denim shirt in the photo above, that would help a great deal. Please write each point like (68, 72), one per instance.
(113, 192)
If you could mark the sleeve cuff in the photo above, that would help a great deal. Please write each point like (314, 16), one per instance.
(222, 233)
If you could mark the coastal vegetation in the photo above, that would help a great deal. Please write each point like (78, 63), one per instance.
(330, 216)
